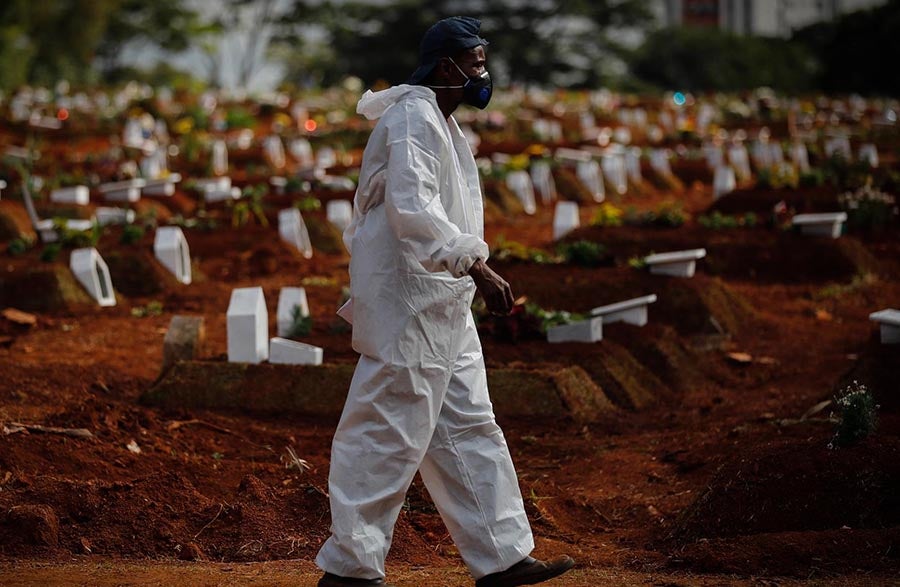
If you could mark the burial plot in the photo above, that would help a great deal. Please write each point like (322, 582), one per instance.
(92, 273)
(291, 304)
(339, 213)
(292, 230)
(633, 311)
(171, 249)
(48, 232)
(520, 184)
(106, 215)
(248, 326)
(123, 191)
(889, 323)
(162, 186)
(542, 180)
(590, 330)
(78, 195)
(869, 153)
(827, 224)
(724, 181)
(565, 219)
(676, 263)
(290, 352)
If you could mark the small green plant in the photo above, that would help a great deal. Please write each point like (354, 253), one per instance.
(76, 239)
(131, 234)
(18, 247)
(813, 178)
(551, 318)
(857, 415)
(668, 215)
(308, 204)
(719, 221)
(505, 250)
(153, 308)
(607, 215)
(300, 325)
(51, 252)
(869, 209)
(583, 253)
(637, 263)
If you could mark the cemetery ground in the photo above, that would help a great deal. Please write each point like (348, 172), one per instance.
(701, 470)
(693, 450)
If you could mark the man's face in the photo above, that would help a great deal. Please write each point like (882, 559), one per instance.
(471, 62)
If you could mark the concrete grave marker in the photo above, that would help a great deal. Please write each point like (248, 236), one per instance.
(339, 213)
(290, 298)
(633, 165)
(92, 273)
(571, 155)
(2, 186)
(219, 157)
(889, 323)
(106, 215)
(279, 183)
(565, 219)
(714, 155)
(828, 224)
(290, 352)
(292, 230)
(869, 153)
(218, 189)
(838, 147)
(520, 183)
(123, 191)
(724, 181)
(590, 330)
(154, 165)
(633, 311)
(613, 165)
(740, 161)
(48, 231)
(248, 326)
(542, 180)
(274, 150)
(78, 195)
(676, 263)
(588, 173)
(302, 151)
(162, 186)
(325, 158)
(659, 162)
(171, 249)
(800, 157)
(184, 340)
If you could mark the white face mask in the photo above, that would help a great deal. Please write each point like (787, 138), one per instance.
(477, 91)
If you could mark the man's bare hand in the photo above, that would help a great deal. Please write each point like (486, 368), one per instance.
(494, 289)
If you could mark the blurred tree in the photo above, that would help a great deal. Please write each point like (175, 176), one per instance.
(857, 50)
(564, 43)
(710, 59)
(42, 42)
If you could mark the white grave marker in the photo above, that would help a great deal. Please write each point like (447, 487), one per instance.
(218, 189)
(520, 183)
(339, 213)
(800, 156)
(724, 181)
(79, 195)
(740, 161)
(290, 352)
(826, 224)
(279, 183)
(633, 165)
(91, 272)
(613, 165)
(714, 155)
(123, 191)
(106, 215)
(288, 299)
(219, 157)
(869, 153)
(248, 326)
(889, 322)
(542, 179)
(676, 263)
(588, 173)
(659, 162)
(302, 151)
(171, 248)
(838, 147)
(325, 158)
(162, 186)
(565, 219)
(274, 150)
(633, 311)
(585, 331)
(292, 230)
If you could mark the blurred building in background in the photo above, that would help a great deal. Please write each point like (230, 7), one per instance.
(774, 18)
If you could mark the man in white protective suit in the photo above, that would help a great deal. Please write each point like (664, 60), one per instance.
(419, 399)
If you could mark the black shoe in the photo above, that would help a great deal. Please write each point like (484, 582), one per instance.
(527, 572)
(329, 580)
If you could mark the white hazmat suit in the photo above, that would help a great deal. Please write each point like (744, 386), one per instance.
(418, 399)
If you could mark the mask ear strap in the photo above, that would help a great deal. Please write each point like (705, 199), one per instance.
(453, 87)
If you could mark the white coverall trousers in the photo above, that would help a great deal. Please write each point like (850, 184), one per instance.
(397, 420)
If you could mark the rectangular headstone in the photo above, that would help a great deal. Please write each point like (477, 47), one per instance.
(292, 230)
(827, 224)
(676, 263)
(633, 311)
(248, 326)
(584, 331)
(122, 191)
(171, 249)
(339, 213)
(565, 219)
(520, 184)
(724, 181)
(78, 195)
(542, 180)
(184, 340)
(889, 323)
(588, 173)
(106, 215)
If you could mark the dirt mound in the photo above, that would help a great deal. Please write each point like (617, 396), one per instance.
(136, 272)
(14, 222)
(760, 201)
(41, 288)
(799, 485)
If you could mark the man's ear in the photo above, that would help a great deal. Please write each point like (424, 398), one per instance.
(443, 68)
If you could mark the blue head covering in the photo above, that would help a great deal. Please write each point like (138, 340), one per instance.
(444, 39)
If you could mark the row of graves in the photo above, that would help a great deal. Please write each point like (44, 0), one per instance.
(612, 149)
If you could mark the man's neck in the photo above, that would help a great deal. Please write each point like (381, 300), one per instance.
(446, 104)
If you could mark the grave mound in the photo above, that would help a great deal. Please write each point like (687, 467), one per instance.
(760, 201)
(878, 368)
(137, 272)
(42, 288)
(14, 222)
(324, 236)
(800, 495)
(271, 390)
(498, 194)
